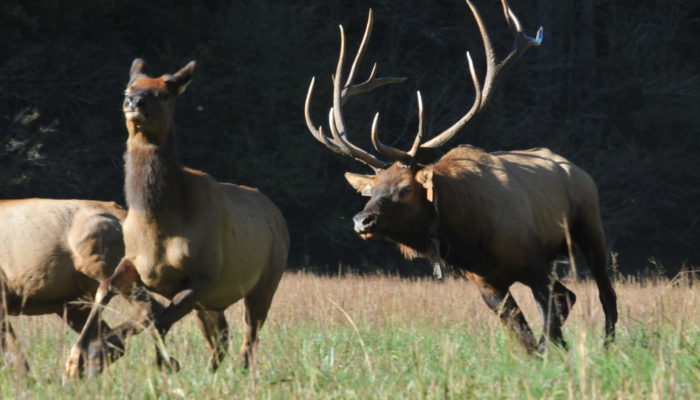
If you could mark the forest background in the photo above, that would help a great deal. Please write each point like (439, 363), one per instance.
(615, 88)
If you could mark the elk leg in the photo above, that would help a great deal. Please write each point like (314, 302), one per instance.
(554, 303)
(256, 308)
(76, 317)
(147, 306)
(124, 276)
(116, 337)
(588, 233)
(78, 354)
(10, 345)
(215, 329)
(183, 303)
(504, 305)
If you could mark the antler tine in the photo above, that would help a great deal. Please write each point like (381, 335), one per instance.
(403, 157)
(391, 152)
(361, 50)
(337, 123)
(521, 41)
(493, 69)
(370, 84)
(419, 136)
(318, 133)
(450, 132)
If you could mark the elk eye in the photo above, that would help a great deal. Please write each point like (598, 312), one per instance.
(404, 190)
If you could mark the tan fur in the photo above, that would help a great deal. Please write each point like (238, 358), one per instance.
(523, 199)
(201, 243)
(53, 252)
(498, 218)
(230, 237)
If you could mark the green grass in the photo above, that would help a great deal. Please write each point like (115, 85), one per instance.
(414, 339)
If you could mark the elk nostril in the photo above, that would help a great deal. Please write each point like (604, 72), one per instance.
(129, 102)
(369, 219)
(364, 221)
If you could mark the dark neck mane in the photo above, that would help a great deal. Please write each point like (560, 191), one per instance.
(153, 176)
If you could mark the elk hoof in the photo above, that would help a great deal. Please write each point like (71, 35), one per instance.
(74, 364)
(169, 365)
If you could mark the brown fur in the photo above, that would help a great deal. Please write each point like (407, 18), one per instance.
(500, 218)
(53, 253)
(201, 243)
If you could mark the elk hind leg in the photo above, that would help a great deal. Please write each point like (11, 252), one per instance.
(554, 302)
(256, 309)
(216, 331)
(591, 240)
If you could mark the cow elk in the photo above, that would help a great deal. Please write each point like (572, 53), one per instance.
(497, 218)
(53, 253)
(200, 243)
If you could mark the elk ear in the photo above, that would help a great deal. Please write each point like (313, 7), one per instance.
(361, 183)
(138, 67)
(183, 77)
(425, 178)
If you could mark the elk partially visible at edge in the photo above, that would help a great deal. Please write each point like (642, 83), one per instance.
(497, 218)
(53, 255)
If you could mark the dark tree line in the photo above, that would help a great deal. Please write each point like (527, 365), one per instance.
(614, 88)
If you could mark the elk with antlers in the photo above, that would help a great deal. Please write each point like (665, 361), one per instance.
(498, 218)
(200, 243)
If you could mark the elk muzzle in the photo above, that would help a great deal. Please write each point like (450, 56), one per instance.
(365, 223)
(134, 107)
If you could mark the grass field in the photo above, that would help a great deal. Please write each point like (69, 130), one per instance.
(384, 337)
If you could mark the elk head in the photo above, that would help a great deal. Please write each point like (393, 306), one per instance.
(149, 103)
(402, 205)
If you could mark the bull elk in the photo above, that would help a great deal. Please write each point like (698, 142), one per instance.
(53, 253)
(497, 218)
(200, 243)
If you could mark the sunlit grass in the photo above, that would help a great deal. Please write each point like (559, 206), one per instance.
(384, 337)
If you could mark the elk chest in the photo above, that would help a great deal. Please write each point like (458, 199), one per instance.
(160, 260)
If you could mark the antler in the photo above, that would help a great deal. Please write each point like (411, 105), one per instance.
(521, 42)
(338, 142)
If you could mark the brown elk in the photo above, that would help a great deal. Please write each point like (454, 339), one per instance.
(498, 218)
(52, 254)
(201, 243)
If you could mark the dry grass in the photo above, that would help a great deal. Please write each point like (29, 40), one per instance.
(386, 337)
(385, 301)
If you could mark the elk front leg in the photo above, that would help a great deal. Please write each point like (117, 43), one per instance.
(86, 347)
(215, 330)
(76, 316)
(146, 306)
(183, 303)
(10, 345)
(75, 363)
(503, 304)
